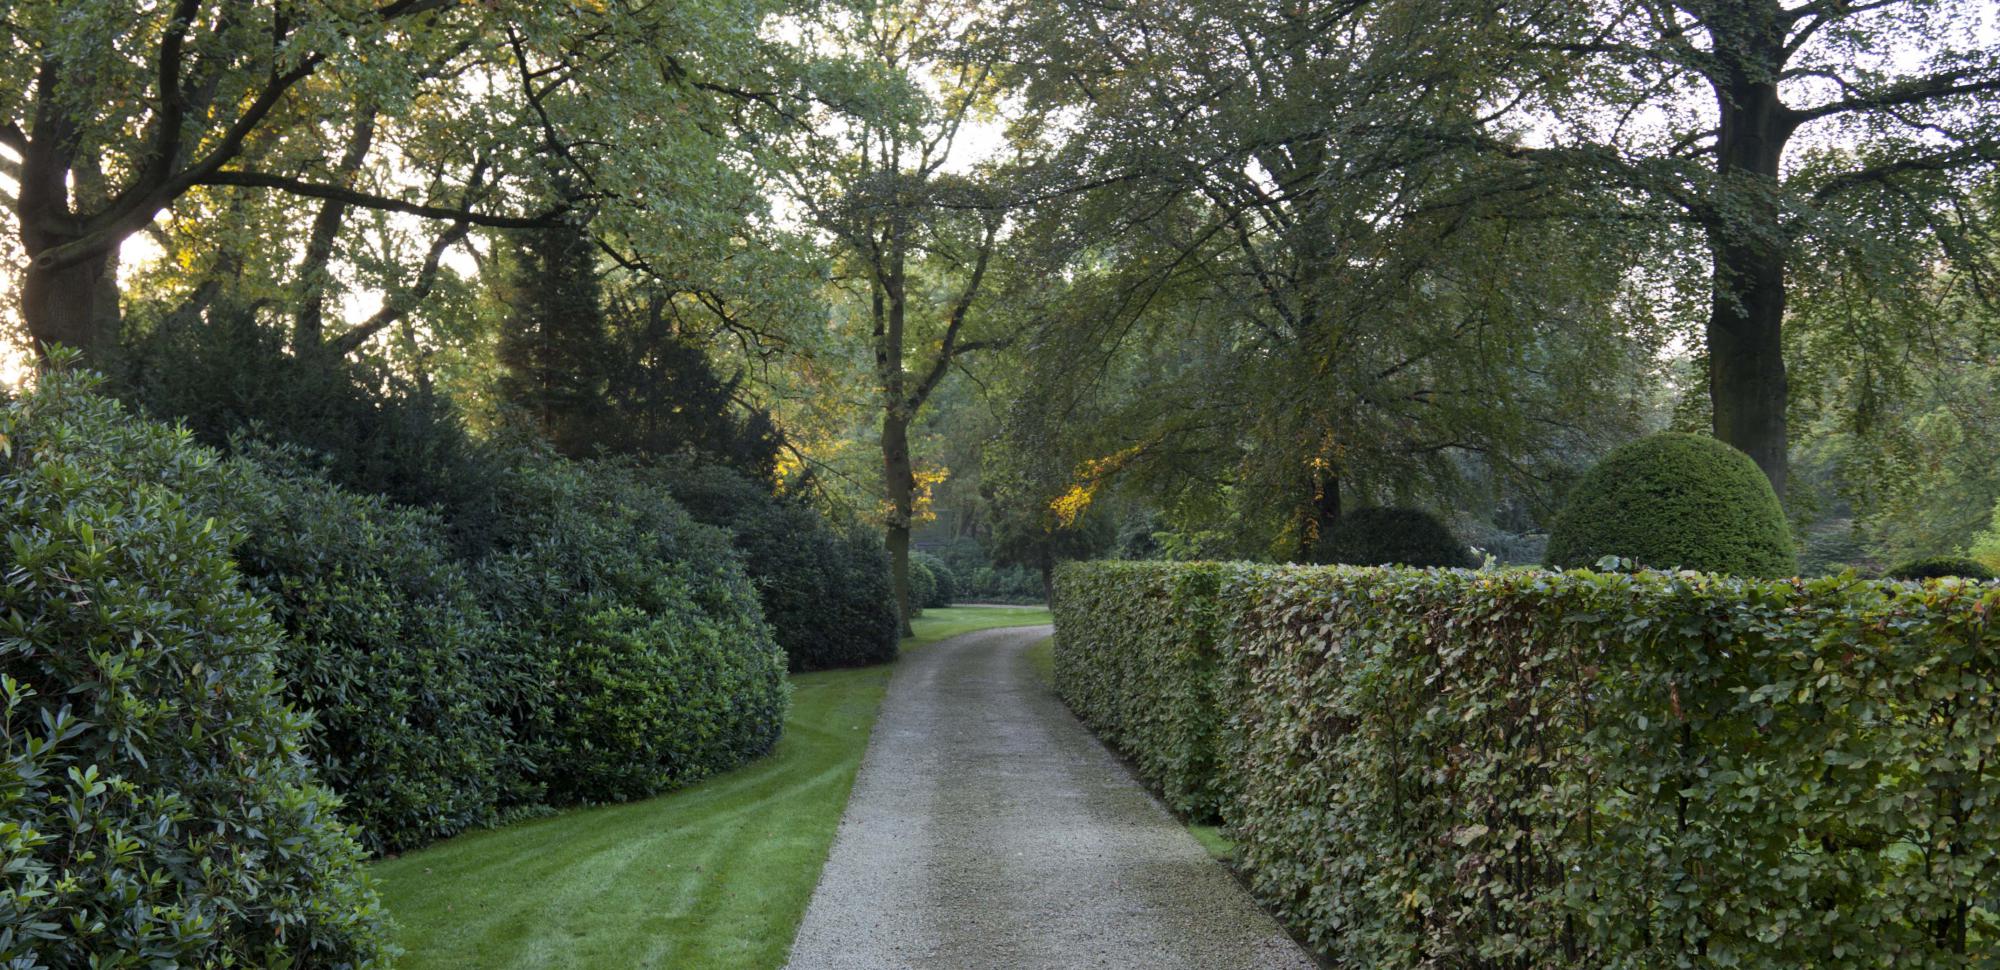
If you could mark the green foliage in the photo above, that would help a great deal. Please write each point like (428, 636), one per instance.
(978, 580)
(158, 803)
(1676, 501)
(633, 636)
(923, 586)
(387, 646)
(1986, 545)
(1135, 658)
(600, 376)
(232, 380)
(944, 582)
(1941, 567)
(824, 592)
(1392, 537)
(554, 350)
(1449, 768)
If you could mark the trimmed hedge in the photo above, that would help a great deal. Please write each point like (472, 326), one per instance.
(1391, 536)
(156, 801)
(1448, 768)
(1147, 681)
(923, 586)
(944, 582)
(634, 652)
(1943, 567)
(825, 593)
(1676, 501)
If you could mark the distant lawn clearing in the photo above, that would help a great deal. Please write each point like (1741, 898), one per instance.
(716, 875)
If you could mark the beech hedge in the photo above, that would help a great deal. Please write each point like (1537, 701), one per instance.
(1571, 769)
(1136, 660)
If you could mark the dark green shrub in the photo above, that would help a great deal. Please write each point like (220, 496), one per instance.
(1583, 770)
(825, 593)
(977, 580)
(389, 649)
(232, 379)
(1942, 567)
(944, 582)
(923, 586)
(1135, 658)
(1676, 501)
(633, 638)
(157, 805)
(1392, 537)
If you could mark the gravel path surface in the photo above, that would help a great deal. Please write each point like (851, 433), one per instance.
(988, 829)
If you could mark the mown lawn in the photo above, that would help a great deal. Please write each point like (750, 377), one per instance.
(716, 875)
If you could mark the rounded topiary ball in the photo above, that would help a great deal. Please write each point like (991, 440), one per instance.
(1676, 501)
(1391, 537)
(1941, 567)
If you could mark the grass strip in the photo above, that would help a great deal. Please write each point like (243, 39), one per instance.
(716, 875)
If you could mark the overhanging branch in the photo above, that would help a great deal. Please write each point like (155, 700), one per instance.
(368, 200)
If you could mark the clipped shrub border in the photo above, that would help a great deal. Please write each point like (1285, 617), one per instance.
(1147, 681)
(1523, 768)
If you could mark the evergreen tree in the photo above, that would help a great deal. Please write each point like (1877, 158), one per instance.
(666, 397)
(555, 350)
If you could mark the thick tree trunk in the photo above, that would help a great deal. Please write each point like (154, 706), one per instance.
(75, 306)
(901, 481)
(1746, 361)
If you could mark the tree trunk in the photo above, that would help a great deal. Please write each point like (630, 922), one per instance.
(901, 481)
(67, 306)
(1746, 362)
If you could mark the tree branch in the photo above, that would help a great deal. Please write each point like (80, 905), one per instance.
(395, 307)
(368, 200)
(960, 308)
(1983, 152)
(1907, 92)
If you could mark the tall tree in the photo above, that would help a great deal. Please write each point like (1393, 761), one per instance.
(1283, 286)
(114, 112)
(1772, 131)
(554, 348)
(876, 174)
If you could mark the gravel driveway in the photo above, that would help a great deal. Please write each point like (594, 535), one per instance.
(988, 829)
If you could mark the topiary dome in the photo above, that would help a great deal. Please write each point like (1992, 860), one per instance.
(1390, 536)
(1676, 501)
(1942, 566)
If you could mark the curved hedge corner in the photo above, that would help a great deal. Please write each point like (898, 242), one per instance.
(637, 655)
(158, 800)
(923, 586)
(1390, 536)
(826, 594)
(388, 647)
(1135, 658)
(1578, 770)
(1943, 567)
(1676, 501)
(944, 582)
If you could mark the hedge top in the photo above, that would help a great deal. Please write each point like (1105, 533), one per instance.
(1676, 501)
